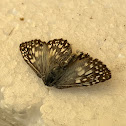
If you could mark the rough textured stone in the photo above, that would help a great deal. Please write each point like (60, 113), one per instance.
(95, 27)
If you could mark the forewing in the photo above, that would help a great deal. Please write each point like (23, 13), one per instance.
(43, 57)
(59, 53)
(35, 53)
(83, 71)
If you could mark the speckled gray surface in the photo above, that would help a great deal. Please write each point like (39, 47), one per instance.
(95, 27)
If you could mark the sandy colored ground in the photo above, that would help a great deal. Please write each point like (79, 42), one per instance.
(93, 26)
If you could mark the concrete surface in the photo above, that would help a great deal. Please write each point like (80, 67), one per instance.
(93, 26)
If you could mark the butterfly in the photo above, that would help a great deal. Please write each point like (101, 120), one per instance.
(57, 66)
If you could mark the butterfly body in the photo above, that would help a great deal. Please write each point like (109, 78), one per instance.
(55, 63)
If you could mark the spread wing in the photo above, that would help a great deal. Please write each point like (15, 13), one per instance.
(57, 66)
(45, 57)
(82, 71)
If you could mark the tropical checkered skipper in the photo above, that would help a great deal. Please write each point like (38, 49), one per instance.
(58, 67)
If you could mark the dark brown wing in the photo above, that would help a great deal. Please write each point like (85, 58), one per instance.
(45, 57)
(35, 53)
(83, 71)
(57, 66)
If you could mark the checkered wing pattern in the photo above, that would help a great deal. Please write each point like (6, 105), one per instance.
(35, 54)
(83, 71)
(59, 53)
(58, 67)
(45, 57)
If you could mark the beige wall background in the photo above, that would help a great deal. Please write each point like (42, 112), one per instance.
(93, 26)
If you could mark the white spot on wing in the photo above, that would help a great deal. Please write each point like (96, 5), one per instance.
(87, 83)
(56, 44)
(78, 69)
(84, 79)
(53, 52)
(97, 80)
(60, 46)
(91, 65)
(49, 46)
(62, 49)
(78, 81)
(33, 60)
(88, 72)
(81, 72)
(36, 54)
(33, 50)
(57, 56)
(100, 72)
(86, 64)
